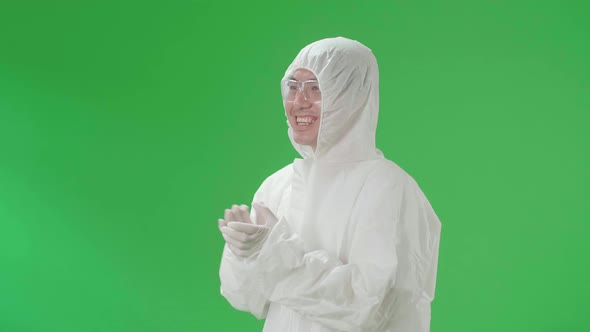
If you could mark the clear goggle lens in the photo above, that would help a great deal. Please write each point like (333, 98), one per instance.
(310, 90)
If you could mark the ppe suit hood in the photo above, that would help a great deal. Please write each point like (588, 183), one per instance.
(349, 82)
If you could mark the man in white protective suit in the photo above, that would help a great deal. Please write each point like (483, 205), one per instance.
(342, 239)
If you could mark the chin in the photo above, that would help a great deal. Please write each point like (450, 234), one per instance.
(302, 141)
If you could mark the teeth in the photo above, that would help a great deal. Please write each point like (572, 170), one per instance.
(304, 120)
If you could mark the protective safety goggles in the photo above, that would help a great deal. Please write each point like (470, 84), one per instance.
(310, 90)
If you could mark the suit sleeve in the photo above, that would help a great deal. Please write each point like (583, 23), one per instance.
(241, 283)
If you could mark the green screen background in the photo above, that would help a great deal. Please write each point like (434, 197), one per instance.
(126, 127)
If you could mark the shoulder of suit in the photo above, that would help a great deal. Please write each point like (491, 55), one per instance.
(279, 178)
(385, 170)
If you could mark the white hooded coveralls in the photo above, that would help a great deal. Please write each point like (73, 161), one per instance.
(356, 244)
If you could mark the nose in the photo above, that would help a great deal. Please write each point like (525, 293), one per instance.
(301, 99)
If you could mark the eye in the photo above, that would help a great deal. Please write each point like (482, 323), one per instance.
(292, 85)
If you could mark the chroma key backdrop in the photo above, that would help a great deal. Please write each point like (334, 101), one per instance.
(127, 127)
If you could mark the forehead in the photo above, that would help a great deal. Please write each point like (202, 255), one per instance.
(303, 75)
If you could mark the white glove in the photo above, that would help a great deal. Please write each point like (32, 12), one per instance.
(243, 237)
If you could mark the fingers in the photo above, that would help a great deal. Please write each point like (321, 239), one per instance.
(260, 215)
(260, 207)
(245, 228)
(237, 213)
(243, 236)
(240, 213)
(259, 204)
(233, 242)
(221, 223)
(267, 217)
(238, 240)
(245, 214)
(228, 215)
(234, 234)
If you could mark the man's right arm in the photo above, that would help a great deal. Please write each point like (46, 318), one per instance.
(240, 278)
(240, 284)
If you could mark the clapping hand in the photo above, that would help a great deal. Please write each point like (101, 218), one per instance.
(244, 237)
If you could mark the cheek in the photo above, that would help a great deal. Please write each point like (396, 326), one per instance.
(288, 108)
(318, 110)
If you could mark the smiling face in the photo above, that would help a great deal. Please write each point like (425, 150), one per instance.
(304, 111)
